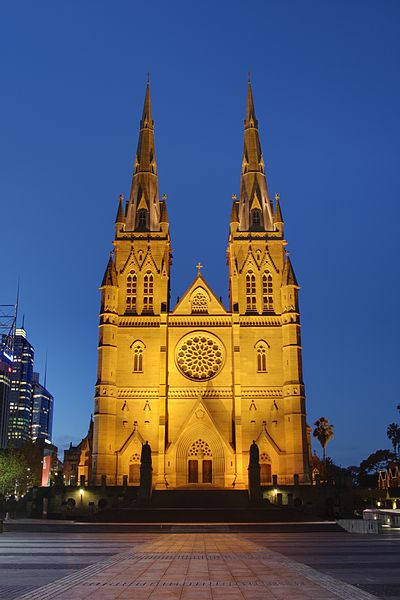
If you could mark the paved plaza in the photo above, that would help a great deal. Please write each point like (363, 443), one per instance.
(209, 565)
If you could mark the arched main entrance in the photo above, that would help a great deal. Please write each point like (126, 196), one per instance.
(200, 462)
(200, 458)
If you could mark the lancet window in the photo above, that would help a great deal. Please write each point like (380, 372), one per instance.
(262, 351)
(251, 298)
(148, 290)
(256, 218)
(131, 290)
(268, 298)
(138, 350)
(199, 303)
(142, 219)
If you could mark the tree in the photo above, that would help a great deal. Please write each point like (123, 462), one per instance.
(369, 468)
(324, 433)
(393, 433)
(13, 468)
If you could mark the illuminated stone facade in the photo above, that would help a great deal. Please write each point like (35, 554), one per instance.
(199, 382)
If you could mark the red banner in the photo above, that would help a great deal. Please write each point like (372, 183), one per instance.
(46, 470)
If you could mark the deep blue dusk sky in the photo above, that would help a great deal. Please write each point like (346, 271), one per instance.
(326, 86)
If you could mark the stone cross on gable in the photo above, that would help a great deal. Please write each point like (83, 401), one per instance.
(199, 267)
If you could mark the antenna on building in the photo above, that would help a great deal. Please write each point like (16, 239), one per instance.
(17, 300)
(45, 371)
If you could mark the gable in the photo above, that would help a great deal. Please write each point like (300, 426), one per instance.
(199, 299)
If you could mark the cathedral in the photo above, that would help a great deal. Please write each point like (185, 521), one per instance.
(197, 381)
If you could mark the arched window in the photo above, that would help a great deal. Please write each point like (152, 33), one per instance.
(256, 218)
(138, 349)
(199, 303)
(268, 298)
(131, 289)
(148, 289)
(262, 350)
(251, 298)
(142, 219)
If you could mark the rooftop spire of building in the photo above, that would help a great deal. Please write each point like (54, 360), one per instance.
(143, 213)
(110, 274)
(255, 211)
(288, 276)
(120, 218)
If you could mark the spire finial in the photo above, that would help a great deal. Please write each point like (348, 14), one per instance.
(199, 266)
(164, 197)
(148, 77)
(234, 197)
(277, 197)
(250, 120)
(248, 76)
(121, 197)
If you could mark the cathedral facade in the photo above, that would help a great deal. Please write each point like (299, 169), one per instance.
(199, 382)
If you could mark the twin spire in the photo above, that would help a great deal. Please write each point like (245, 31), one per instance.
(145, 211)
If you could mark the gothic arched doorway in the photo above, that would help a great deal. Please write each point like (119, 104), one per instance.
(200, 462)
(265, 469)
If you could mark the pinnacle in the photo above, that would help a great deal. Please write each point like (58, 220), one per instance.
(288, 276)
(120, 218)
(147, 117)
(250, 120)
(110, 275)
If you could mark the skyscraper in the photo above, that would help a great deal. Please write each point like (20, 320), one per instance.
(5, 378)
(42, 411)
(200, 382)
(8, 315)
(30, 403)
(20, 396)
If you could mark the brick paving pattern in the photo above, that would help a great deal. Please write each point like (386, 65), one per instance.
(225, 566)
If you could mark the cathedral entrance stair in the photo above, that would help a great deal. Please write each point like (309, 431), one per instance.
(200, 498)
(202, 506)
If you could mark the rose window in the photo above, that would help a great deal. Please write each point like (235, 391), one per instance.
(265, 458)
(200, 448)
(200, 356)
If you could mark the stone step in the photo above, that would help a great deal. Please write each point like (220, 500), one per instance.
(200, 515)
(200, 498)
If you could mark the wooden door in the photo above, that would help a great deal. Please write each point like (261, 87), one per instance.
(134, 473)
(265, 473)
(193, 471)
(207, 471)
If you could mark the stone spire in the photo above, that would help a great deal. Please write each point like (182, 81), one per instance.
(110, 274)
(143, 213)
(255, 209)
(288, 276)
(120, 218)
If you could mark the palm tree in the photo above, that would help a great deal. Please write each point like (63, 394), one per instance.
(393, 433)
(324, 433)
